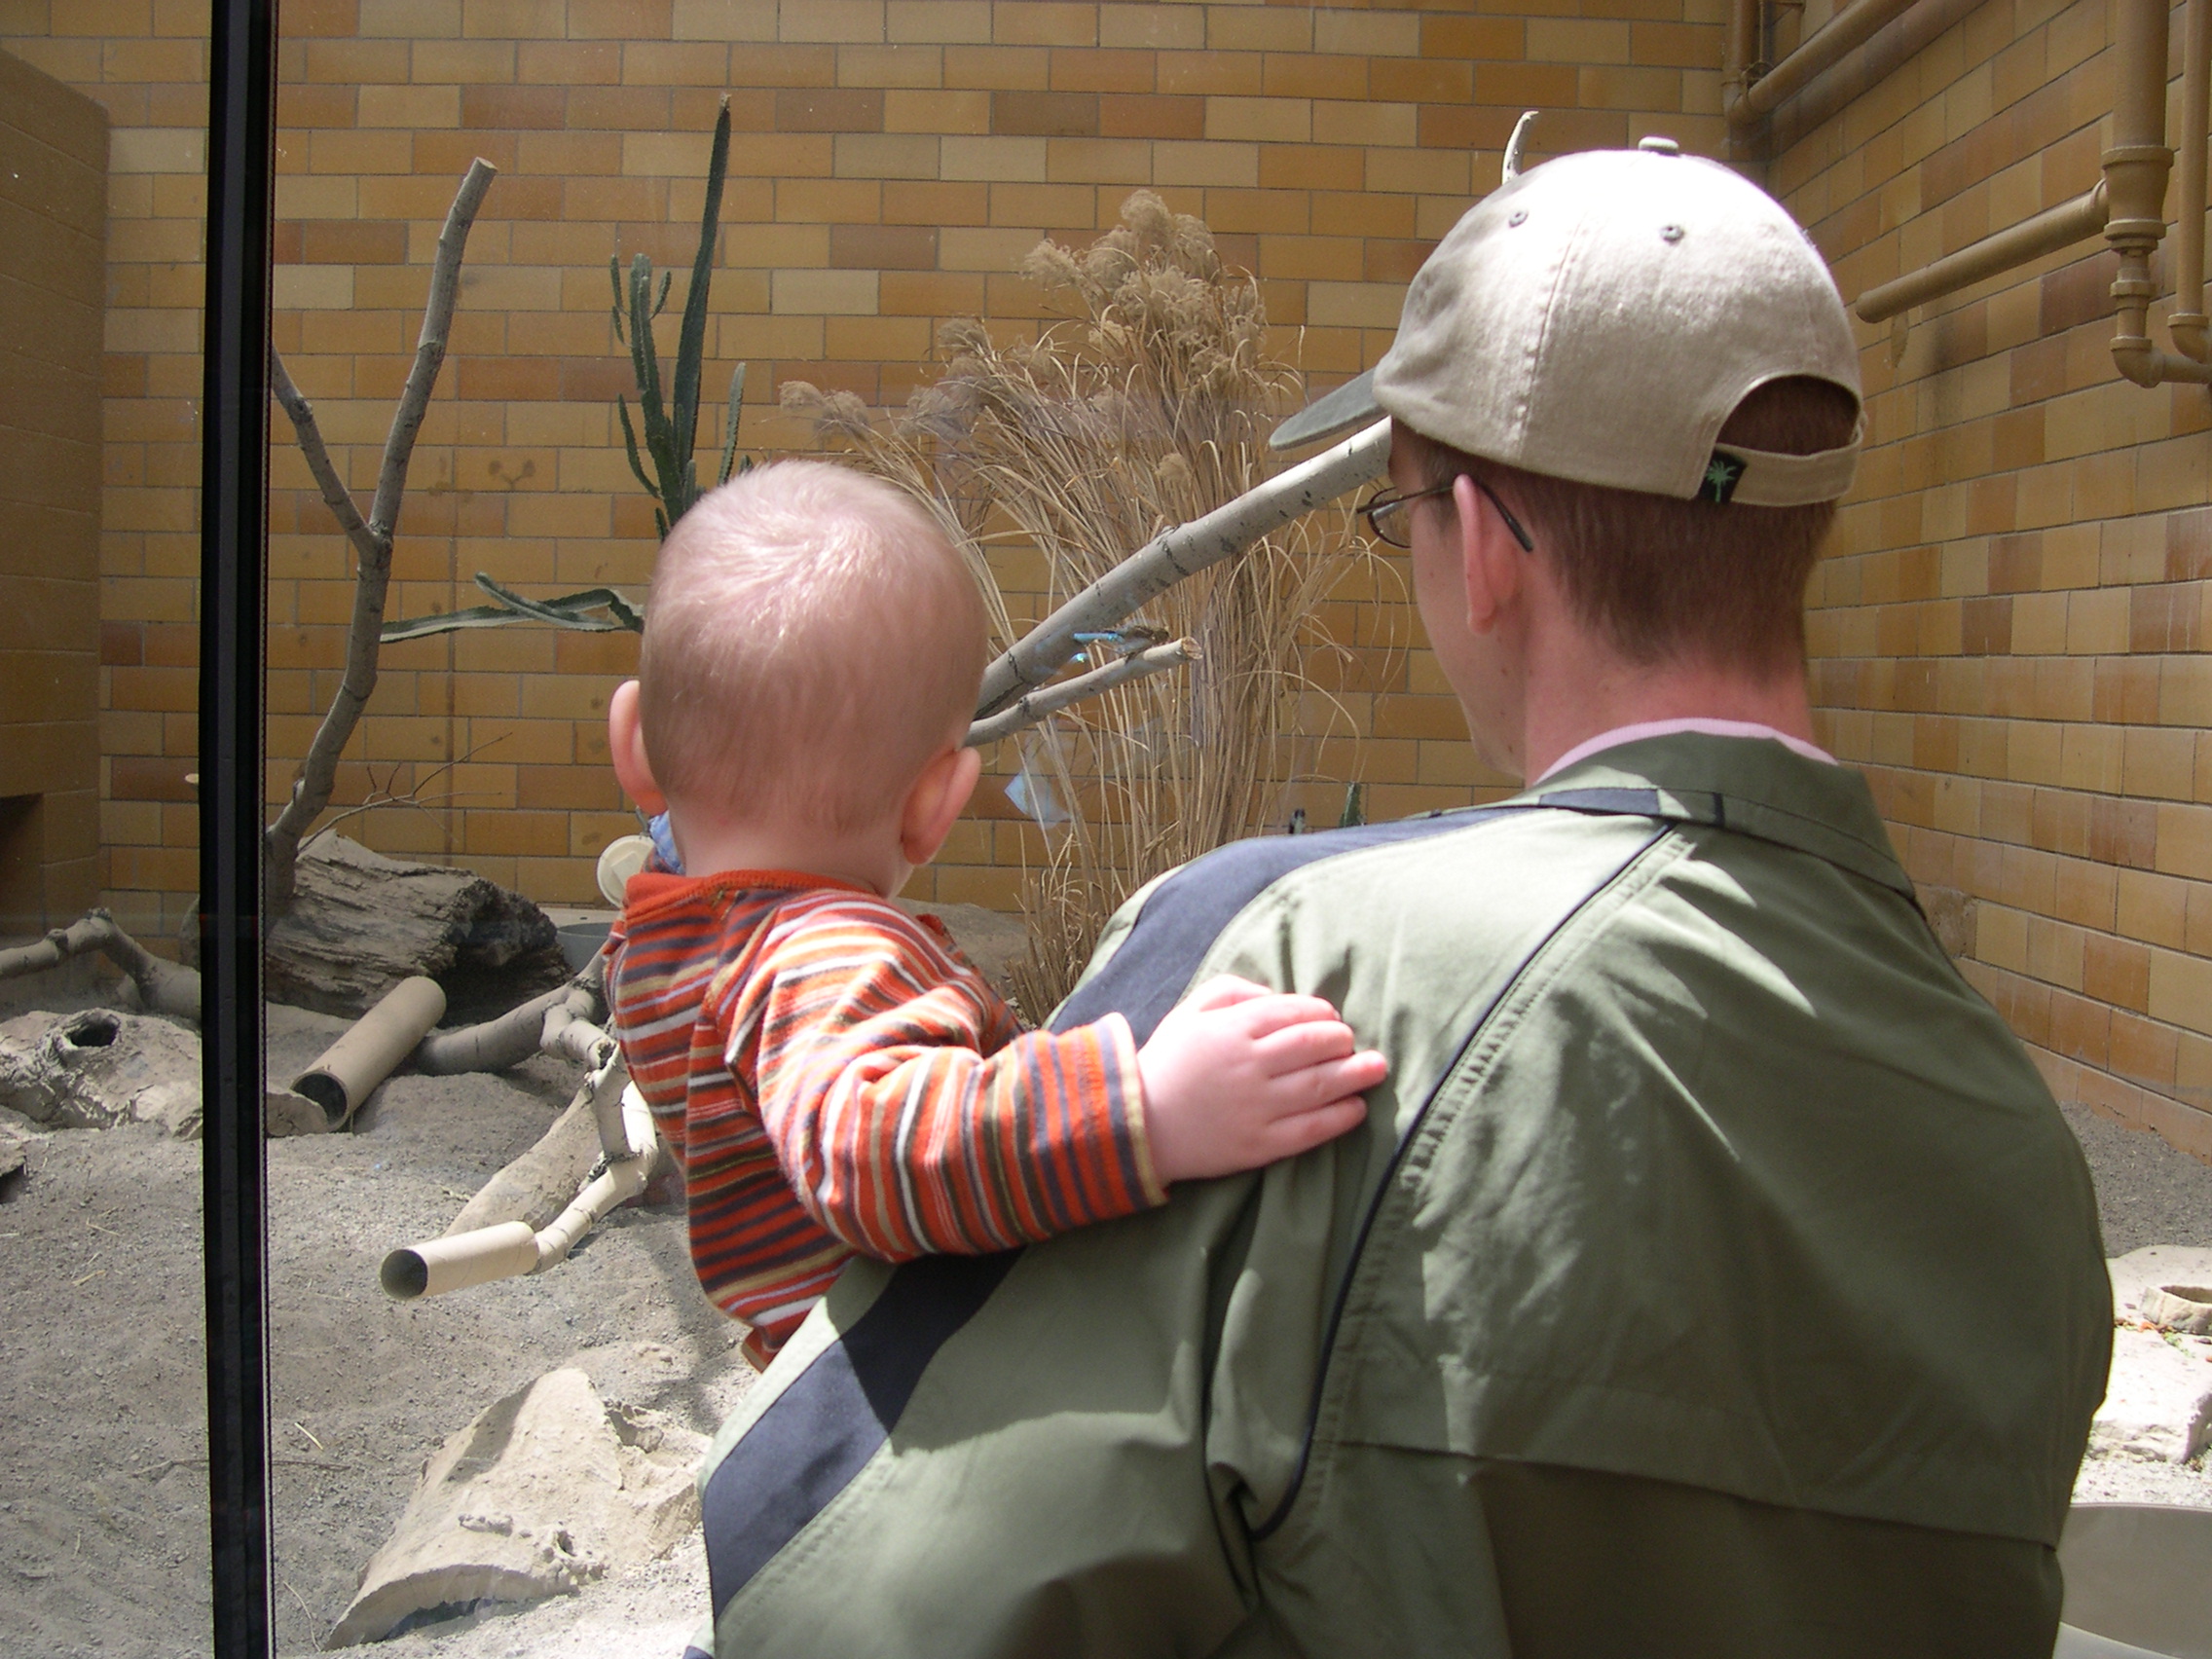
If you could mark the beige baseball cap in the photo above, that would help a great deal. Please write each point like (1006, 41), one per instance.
(1600, 318)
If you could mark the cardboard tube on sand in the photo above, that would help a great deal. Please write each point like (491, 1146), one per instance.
(351, 1068)
(439, 1264)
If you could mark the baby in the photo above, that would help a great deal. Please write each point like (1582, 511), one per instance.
(832, 1076)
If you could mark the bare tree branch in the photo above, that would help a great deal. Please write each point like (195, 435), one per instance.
(319, 772)
(1027, 710)
(1179, 552)
(430, 349)
(164, 987)
(335, 495)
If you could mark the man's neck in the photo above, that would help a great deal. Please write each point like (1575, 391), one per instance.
(1585, 689)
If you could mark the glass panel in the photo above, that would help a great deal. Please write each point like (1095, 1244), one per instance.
(877, 190)
(103, 1479)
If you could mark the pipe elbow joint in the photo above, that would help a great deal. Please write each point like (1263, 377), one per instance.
(2138, 359)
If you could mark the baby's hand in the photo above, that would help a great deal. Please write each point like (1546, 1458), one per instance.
(1237, 1076)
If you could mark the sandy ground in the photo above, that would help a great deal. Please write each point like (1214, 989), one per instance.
(102, 1456)
(103, 1469)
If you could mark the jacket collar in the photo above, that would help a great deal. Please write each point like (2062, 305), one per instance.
(1753, 785)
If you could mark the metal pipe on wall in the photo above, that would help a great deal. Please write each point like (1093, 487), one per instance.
(1858, 72)
(1741, 48)
(2047, 232)
(1845, 32)
(2136, 167)
(2187, 322)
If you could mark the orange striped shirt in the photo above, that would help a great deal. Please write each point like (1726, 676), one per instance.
(836, 1080)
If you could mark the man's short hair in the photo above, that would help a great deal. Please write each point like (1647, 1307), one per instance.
(811, 640)
(1672, 580)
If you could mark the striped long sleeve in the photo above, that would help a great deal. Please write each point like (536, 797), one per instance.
(909, 1113)
(834, 1080)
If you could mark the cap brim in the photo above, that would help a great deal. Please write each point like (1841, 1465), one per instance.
(1351, 404)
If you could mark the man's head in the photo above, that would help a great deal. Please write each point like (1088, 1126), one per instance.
(812, 641)
(1647, 361)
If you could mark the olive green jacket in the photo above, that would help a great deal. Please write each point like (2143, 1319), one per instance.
(1698, 1163)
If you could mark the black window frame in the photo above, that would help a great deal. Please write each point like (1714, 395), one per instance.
(233, 522)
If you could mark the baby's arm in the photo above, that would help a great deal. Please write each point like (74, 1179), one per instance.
(1237, 1076)
(908, 1114)
(908, 1122)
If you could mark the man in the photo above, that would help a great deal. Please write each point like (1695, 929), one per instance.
(1713, 1275)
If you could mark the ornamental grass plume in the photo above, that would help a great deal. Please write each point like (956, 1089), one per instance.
(1148, 408)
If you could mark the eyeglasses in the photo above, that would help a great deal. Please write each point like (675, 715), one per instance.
(1389, 516)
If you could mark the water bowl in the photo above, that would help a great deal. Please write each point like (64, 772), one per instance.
(581, 942)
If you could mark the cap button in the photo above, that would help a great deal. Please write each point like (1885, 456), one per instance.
(1659, 145)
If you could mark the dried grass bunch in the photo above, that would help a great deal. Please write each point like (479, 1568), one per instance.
(1148, 409)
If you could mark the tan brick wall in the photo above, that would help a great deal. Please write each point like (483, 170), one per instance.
(144, 62)
(2010, 626)
(2008, 634)
(893, 161)
(53, 282)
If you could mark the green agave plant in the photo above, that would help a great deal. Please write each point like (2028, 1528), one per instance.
(671, 430)
(671, 420)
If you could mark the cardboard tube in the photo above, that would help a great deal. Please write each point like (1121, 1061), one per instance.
(511, 1249)
(505, 1251)
(351, 1068)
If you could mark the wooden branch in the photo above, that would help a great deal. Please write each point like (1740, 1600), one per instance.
(335, 495)
(1179, 552)
(164, 987)
(319, 772)
(1027, 710)
(430, 349)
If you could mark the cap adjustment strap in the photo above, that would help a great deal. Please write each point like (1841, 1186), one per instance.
(1764, 478)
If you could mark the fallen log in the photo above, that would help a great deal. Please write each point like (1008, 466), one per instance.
(360, 923)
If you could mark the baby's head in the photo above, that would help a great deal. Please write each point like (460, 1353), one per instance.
(811, 642)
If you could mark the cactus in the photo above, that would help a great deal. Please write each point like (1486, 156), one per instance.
(671, 430)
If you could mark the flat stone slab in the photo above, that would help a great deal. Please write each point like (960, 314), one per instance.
(545, 1492)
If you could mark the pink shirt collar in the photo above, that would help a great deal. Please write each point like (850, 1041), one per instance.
(1662, 728)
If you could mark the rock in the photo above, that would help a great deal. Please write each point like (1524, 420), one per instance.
(2157, 1401)
(545, 1492)
(99, 1066)
(285, 1113)
(14, 1149)
(2155, 1267)
(359, 923)
(2186, 1309)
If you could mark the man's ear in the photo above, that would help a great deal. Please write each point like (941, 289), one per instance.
(1490, 558)
(936, 802)
(626, 744)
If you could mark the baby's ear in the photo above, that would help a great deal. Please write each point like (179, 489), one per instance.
(936, 802)
(626, 745)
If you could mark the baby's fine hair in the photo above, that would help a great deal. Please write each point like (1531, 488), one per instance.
(811, 640)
